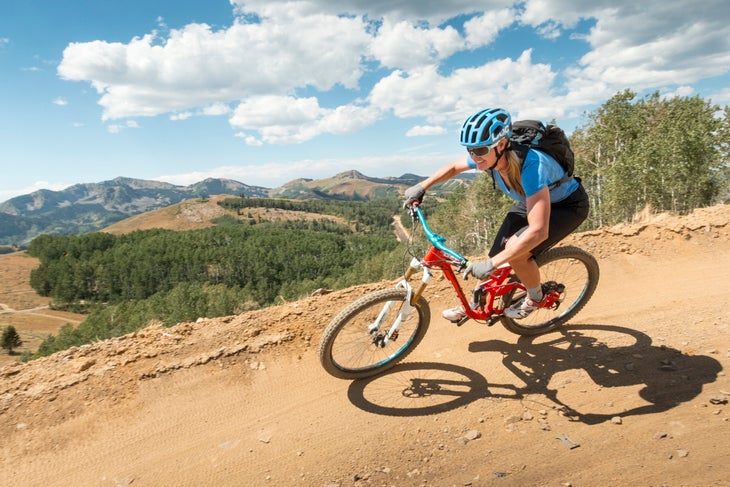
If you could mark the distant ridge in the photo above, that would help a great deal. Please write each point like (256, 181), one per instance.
(348, 185)
(90, 207)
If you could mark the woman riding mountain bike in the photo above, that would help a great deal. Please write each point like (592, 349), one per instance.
(549, 204)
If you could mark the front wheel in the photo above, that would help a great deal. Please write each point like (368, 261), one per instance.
(353, 345)
(573, 268)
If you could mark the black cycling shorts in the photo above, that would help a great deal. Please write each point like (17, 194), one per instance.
(565, 216)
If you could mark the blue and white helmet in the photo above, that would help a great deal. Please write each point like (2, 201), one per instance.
(486, 127)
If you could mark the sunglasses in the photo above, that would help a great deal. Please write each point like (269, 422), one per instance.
(481, 151)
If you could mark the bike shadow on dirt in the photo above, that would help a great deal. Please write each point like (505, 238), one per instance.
(611, 356)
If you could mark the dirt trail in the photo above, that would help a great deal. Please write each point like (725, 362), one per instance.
(633, 392)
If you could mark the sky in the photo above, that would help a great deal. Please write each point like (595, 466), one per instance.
(267, 91)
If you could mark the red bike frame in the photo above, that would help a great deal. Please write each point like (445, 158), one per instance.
(484, 305)
(492, 289)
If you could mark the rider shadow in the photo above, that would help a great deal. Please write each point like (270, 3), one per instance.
(666, 376)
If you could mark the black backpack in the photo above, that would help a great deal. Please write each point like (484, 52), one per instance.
(551, 139)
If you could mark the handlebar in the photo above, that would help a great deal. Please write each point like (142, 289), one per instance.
(435, 239)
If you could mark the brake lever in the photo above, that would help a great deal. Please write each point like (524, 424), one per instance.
(412, 211)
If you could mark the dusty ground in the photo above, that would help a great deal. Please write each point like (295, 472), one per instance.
(632, 392)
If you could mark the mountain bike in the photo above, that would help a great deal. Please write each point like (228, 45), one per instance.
(378, 330)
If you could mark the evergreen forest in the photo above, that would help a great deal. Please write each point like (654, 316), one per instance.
(171, 276)
(666, 154)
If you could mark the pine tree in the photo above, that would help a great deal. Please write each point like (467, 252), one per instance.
(10, 339)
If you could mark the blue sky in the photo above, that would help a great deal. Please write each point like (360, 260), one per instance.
(266, 91)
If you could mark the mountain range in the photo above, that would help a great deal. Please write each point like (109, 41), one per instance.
(89, 207)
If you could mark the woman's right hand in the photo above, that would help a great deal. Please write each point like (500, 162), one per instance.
(414, 194)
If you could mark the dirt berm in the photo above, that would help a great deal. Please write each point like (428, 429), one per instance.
(633, 391)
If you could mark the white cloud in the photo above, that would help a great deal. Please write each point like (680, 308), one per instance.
(675, 44)
(405, 45)
(216, 109)
(271, 71)
(249, 139)
(433, 11)
(436, 97)
(198, 66)
(722, 97)
(550, 30)
(681, 91)
(61, 102)
(115, 128)
(564, 13)
(288, 120)
(482, 30)
(181, 116)
(420, 130)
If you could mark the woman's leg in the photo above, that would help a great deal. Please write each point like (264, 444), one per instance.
(526, 269)
(514, 223)
(565, 217)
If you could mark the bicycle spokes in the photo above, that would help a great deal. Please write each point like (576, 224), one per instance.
(570, 276)
(373, 333)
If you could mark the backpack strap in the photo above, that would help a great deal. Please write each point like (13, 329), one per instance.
(522, 151)
(562, 180)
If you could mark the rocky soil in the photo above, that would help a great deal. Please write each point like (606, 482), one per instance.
(632, 392)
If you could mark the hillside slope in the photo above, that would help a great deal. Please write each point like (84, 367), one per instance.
(637, 381)
(200, 213)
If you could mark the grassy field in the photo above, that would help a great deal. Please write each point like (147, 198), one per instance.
(22, 308)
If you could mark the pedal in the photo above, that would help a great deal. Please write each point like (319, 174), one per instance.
(552, 291)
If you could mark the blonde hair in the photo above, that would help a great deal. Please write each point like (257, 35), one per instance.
(514, 171)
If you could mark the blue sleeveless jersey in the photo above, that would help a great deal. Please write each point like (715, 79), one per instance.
(538, 171)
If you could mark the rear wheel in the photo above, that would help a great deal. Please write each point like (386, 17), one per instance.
(349, 349)
(574, 272)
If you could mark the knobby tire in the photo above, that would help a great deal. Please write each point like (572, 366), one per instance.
(348, 351)
(571, 266)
